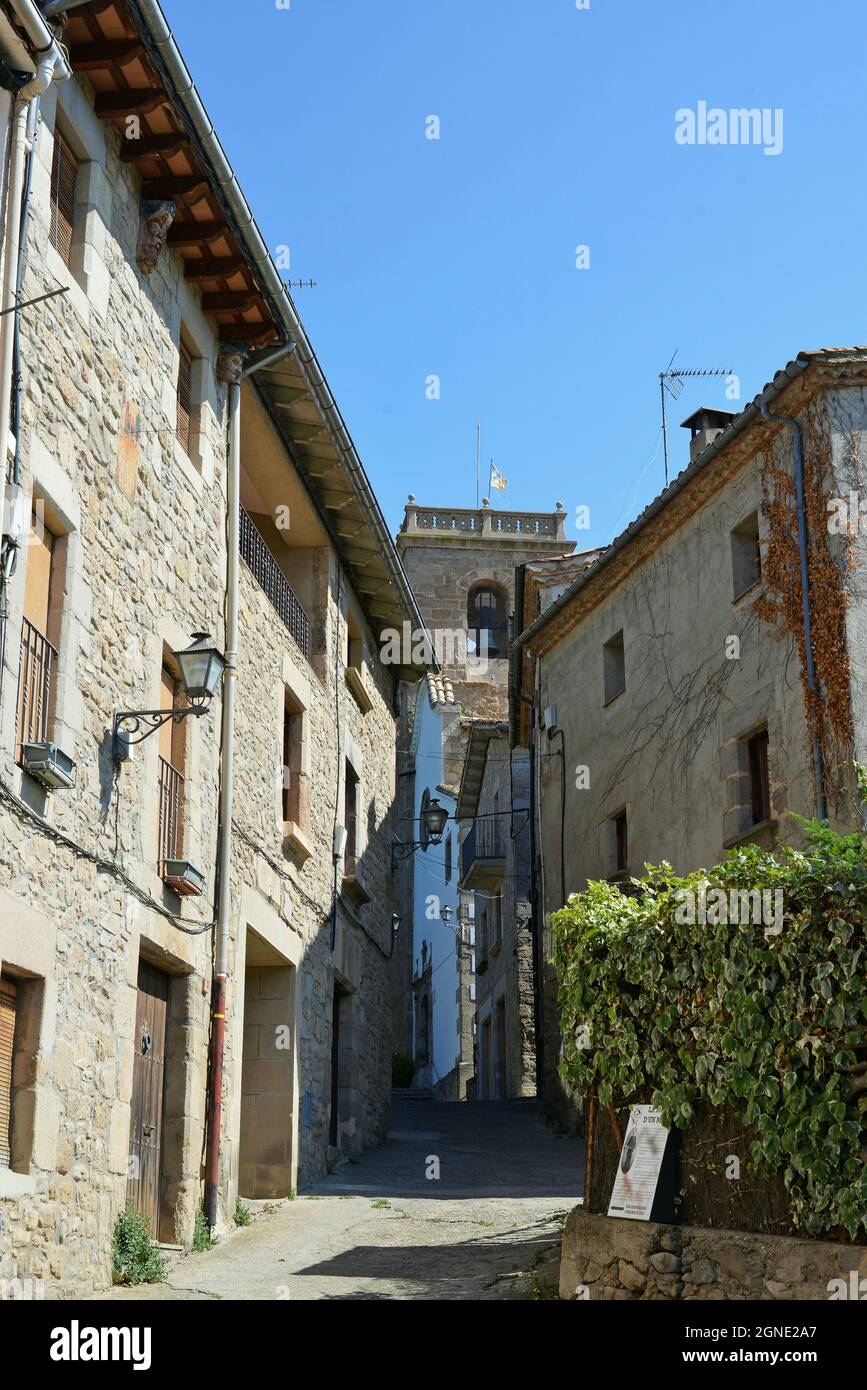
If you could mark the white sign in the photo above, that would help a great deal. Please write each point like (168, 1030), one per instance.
(640, 1162)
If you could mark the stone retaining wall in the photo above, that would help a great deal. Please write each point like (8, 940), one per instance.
(608, 1258)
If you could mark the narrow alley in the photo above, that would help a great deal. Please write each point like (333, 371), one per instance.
(487, 1228)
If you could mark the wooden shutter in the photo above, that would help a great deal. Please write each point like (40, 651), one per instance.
(8, 1008)
(64, 172)
(185, 397)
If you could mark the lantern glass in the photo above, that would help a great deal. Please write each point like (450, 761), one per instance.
(435, 817)
(201, 666)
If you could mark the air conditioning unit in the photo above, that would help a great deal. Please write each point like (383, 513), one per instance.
(184, 877)
(48, 764)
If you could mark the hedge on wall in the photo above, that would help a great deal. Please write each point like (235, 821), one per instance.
(759, 1002)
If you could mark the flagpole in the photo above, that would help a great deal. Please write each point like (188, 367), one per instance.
(478, 459)
(491, 481)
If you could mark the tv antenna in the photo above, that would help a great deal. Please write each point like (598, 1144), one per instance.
(300, 284)
(671, 380)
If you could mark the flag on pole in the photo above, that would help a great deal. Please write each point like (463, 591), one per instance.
(497, 479)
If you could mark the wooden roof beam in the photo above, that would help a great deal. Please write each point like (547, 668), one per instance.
(225, 300)
(86, 57)
(214, 268)
(189, 186)
(196, 233)
(132, 102)
(147, 146)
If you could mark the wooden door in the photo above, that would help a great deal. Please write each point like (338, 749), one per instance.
(146, 1115)
(335, 1068)
(8, 1009)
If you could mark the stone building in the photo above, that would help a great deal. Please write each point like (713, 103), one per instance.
(494, 807)
(127, 485)
(680, 696)
(462, 564)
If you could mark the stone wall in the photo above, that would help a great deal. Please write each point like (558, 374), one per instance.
(141, 563)
(609, 1258)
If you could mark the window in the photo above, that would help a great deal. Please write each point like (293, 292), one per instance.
(620, 842)
(486, 620)
(64, 173)
(172, 750)
(746, 555)
(449, 857)
(38, 655)
(292, 735)
(353, 665)
(760, 781)
(423, 835)
(350, 821)
(614, 667)
(8, 1019)
(495, 919)
(185, 397)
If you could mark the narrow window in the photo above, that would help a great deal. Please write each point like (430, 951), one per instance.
(354, 653)
(496, 918)
(614, 667)
(185, 397)
(38, 655)
(746, 555)
(350, 821)
(8, 1016)
(172, 743)
(292, 735)
(621, 844)
(64, 172)
(760, 781)
(449, 857)
(487, 627)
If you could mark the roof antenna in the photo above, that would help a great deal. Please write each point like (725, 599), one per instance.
(671, 380)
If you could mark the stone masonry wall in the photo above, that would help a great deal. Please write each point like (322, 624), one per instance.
(610, 1258)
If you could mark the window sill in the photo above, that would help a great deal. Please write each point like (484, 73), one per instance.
(744, 593)
(355, 681)
(495, 949)
(354, 890)
(16, 1184)
(296, 841)
(187, 466)
(767, 827)
(606, 704)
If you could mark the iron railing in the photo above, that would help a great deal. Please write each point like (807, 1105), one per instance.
(273, 583)
(38, 659)
(485, 840)
(171, 813)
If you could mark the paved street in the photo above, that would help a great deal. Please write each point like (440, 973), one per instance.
(380, 1229)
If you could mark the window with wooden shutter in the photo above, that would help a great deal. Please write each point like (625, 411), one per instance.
(8, 1010)
(64, 172)
(185, 397)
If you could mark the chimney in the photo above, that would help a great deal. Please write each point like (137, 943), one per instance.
(704, 426)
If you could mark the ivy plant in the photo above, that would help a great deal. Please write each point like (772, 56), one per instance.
(767, 1017)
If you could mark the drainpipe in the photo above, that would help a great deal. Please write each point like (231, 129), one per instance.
(224, 877)
(798, 441)
(10, 272)
(52, 65)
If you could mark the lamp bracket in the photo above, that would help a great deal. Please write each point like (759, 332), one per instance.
(134, 726)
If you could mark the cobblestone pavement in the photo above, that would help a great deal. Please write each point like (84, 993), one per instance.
(488, 1228)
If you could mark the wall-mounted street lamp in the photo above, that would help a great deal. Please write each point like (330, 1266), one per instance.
(201, 665)
(433, 823)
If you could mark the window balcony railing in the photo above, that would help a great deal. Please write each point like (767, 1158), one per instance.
(38, 659)
(483, 852)
(171, 813)
(273, 583)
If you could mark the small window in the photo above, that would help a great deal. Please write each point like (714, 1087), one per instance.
(760, 780)
(621, 843)
(171, 765)
(64, 174)
(354, 650)
(614, 667)
(449, 857)
(350, 821)
(185, 397)
(496, 919)
(8, 1018)
(746, 555)
(292, 736)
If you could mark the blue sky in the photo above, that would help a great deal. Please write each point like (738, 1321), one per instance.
(456, 257)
